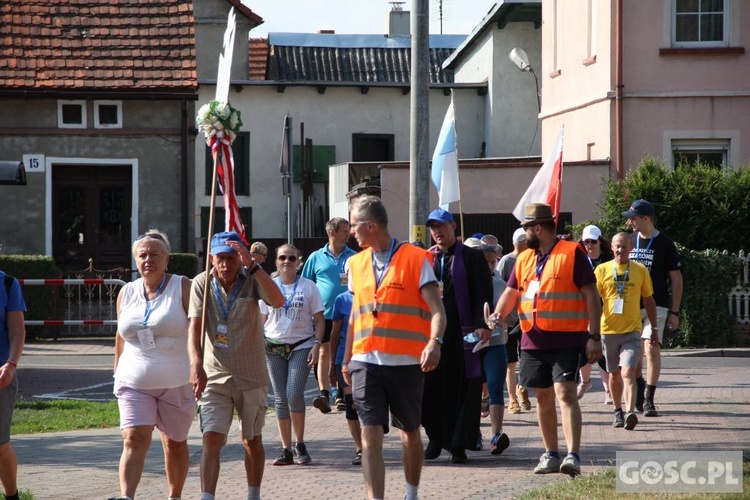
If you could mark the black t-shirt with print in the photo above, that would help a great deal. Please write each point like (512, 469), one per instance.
(660, 257)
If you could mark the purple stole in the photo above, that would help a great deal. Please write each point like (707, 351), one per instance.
(472, 361)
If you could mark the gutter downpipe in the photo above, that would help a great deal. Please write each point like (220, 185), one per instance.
(184, 175)
(618, 91)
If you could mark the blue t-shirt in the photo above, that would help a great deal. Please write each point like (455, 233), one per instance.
(342, 308)
(326, 270)
(13, 303)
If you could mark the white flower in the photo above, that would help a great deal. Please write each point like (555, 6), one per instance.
(203, 113)
(223, 111)
(233, 120)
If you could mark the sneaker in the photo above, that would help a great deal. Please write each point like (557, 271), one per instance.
(284, 458)
(631, 420)
(608, 398)
(340, 404)
(619, 419)
(583, 387)
(300, 451)
(322, 404)
(480, 443)
(357, 460)
(547, 464)
(499, 443)
(433, 450)
(640, 395)
(523, 397)
(649, 410)
(458, 456)
(485, 408)
(570, 466)
(514, 408)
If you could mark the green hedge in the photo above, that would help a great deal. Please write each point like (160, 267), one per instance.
(39, 299)
(185, 264)
(705, 321)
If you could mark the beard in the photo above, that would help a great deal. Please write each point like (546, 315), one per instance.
(532, 242)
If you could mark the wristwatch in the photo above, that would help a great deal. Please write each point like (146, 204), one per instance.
(596, 337)
(438, 340)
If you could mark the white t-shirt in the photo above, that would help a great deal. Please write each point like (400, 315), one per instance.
(166, 365)
(426, 277)
(293, 321)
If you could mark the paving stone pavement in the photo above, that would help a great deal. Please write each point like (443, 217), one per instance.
(702, 402)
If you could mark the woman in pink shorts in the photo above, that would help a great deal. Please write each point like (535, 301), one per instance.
(152, 369)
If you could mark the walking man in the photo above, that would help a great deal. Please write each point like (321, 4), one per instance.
(396, 329)
(12, 339)
(658, 253)
(325, 267)
(554, 288)
(227, 362)
(622, 285)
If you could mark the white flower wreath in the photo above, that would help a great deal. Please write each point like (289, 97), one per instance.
(218, 119)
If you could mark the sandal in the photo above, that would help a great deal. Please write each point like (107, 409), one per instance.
(485, 408)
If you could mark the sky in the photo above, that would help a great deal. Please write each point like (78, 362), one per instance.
(359, 16)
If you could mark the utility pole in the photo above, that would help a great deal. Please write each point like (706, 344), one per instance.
(419, 136)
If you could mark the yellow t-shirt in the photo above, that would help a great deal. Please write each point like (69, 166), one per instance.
(638, 285)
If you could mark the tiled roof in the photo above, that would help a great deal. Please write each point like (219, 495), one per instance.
(97, 44)
(324, 58)
(258, 58)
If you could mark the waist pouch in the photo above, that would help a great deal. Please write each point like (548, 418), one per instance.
(282, 350)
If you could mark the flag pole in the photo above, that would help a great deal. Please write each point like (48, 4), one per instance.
(207, 253)
(458, 167)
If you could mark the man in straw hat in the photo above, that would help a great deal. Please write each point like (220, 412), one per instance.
(554, 288)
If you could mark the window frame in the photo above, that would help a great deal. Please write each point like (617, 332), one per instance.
(724, 42)
(67, 102)
(698, 146)
(97, 122)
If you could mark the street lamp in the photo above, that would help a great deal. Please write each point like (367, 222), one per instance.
(521, 60)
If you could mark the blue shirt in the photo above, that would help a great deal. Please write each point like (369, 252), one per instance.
(326, 270)
(342, 308)
(8, 304)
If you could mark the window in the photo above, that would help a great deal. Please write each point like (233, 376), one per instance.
(699, 23)
(712, 152)
(108, 114)
(372, 147)
(246, 214)
(241, 155)
(71, 114)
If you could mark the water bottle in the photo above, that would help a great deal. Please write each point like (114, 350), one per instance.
(471, 338)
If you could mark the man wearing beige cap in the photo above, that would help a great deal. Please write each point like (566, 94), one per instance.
(554, 288)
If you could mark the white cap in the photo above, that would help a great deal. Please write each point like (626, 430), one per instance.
(473, 242)
(591, 233)
(519, 236)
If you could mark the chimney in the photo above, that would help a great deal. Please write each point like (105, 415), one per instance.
(398, 20)
(326, 32)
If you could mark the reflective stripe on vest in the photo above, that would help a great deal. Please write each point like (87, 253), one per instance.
(560, 306)
(394, 318)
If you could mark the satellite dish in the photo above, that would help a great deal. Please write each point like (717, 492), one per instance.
(520, 59)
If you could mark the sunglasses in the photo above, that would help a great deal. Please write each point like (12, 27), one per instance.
(291, 258)
(590, 242)
(355, 224)
(155, 236)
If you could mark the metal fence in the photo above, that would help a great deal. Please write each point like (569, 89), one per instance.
(739, 296)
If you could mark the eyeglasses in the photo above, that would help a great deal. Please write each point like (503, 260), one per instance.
(355, 224)
(590, 242)
(291, 258)
(155, 236)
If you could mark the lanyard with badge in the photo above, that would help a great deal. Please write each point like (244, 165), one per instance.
(284, 322)
(533, 288)
(145, 335)
(379, 278)
(442, 269)
(222, 340)
(638, 255)
(340, 263)
(620, 302)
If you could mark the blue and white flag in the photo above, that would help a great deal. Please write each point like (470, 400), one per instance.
(445, 162)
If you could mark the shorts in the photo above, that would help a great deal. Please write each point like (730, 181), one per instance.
(622, 349)
(169, 410)
(512, 343)
(327, 331)
(217, 405)
(661, 319)
(8, 396)
(542, 368)
(376, 389)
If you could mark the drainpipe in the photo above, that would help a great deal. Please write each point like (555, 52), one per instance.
(184, 176)
(618, 91)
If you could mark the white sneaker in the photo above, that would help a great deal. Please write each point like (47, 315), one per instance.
(570, 466)
(547, 464)
(608, 398)
(583, 387)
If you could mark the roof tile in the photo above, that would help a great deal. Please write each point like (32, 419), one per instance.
(97, 44)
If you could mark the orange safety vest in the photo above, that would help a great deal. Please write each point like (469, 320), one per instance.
(560, 305)
(393, 319)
